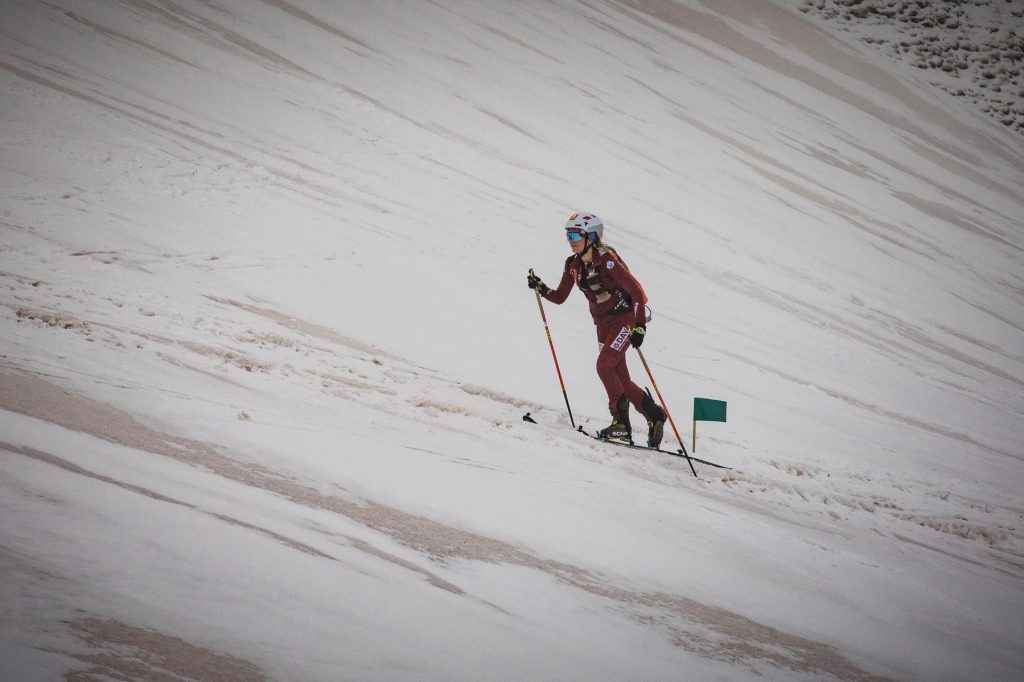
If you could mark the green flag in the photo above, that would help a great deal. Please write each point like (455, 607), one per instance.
(707, 410)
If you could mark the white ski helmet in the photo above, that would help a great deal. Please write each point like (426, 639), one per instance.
(586, 221)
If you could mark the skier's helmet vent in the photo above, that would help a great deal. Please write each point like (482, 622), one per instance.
(586, 221)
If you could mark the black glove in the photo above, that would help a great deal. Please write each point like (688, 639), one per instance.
(533, 281)
(636, 337)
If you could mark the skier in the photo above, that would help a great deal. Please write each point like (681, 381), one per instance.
(617, 304)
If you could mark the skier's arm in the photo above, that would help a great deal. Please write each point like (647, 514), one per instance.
(559, 295)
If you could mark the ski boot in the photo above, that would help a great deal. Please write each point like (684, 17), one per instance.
(655, 422)
(619, 429)
(616, 431)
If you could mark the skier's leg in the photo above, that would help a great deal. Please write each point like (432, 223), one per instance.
(633, 393)
(643, 402)
(607, 362)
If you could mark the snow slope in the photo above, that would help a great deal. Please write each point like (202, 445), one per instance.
(267, 343)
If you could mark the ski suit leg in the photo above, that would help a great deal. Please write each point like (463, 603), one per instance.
(633, 392)
(611, 365)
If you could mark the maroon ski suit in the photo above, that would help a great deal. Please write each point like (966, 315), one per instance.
(617, 305)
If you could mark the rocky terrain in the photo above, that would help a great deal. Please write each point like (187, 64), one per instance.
(972, 49)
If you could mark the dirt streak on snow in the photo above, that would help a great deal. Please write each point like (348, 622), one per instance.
(75, 469)
(133, 653)
(302, 326)
(800, 32)
(689, 622)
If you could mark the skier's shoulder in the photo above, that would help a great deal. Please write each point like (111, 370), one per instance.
(607, 257)
(569, 262)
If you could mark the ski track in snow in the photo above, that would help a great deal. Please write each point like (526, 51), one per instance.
(260, 337)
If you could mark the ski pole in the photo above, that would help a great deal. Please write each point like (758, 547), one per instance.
(552, 344)
(669, 414)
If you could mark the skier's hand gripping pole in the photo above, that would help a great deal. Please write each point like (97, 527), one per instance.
(669, 414)
(551, 343)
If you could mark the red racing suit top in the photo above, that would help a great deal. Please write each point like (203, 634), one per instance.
(606, 282)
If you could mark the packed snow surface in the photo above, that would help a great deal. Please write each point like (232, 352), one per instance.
(267, 344)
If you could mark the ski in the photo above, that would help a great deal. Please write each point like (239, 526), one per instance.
(634, 446)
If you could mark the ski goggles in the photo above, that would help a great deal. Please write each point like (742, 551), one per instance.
(575, 235)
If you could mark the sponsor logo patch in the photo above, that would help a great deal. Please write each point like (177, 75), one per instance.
(611, 264)
(620, 339)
